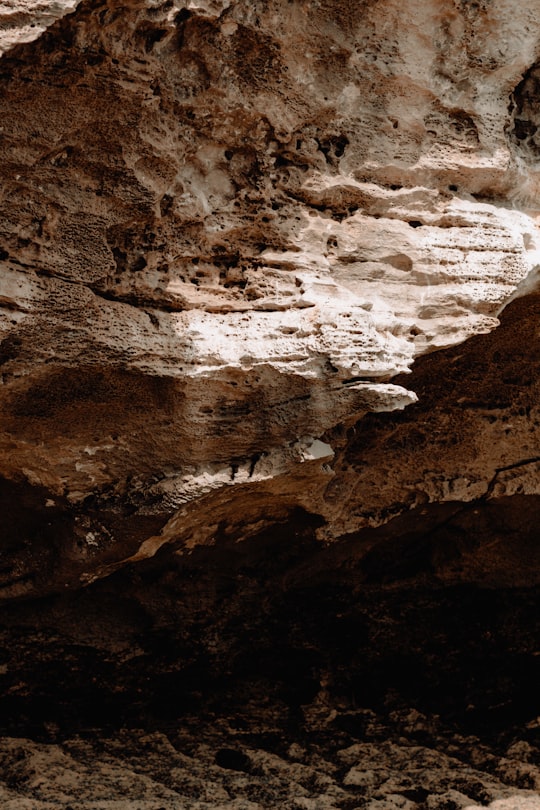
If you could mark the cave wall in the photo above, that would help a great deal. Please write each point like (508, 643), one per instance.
(269, 415)
(228, 231)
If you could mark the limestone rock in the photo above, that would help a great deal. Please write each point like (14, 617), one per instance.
(25, 20)
(226, 228)
(146, 771)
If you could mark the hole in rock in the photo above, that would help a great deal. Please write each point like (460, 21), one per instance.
(183, 15)
(233, 760)
(139, 264)
(252, 656)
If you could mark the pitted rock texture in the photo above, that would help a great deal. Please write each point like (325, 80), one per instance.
(269, 391)
(204, 771)
(25, 20)
(472, 438)
(226, 228)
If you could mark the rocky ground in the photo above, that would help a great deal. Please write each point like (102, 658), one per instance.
(221, 685)
(402, 761)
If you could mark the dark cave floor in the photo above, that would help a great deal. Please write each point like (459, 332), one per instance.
(213, 682)
(403, 760)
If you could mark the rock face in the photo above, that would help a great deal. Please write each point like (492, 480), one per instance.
(270, 379)
(25, 20)
(226, 228)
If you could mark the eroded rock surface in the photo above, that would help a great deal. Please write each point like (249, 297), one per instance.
(147, 772)
(227, 227)
(269, 404)
(25, 20)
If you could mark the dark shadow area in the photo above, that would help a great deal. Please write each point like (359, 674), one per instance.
(265, 632)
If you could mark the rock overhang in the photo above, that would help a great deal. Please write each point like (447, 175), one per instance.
(226, 249)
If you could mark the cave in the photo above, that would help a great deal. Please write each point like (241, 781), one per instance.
(269, 421)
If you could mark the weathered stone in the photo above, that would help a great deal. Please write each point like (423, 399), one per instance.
(226, 228)
(269, 404)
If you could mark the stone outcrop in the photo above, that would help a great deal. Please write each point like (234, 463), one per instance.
(226, 228)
